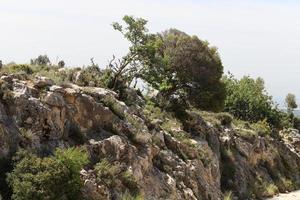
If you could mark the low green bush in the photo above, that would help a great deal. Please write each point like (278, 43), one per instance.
(108, 174)
(93, 76)
(54, 177)
(128, 196)
(18, 68)
(225, 118)
(262, 127)
(228, 195)
(6, 94)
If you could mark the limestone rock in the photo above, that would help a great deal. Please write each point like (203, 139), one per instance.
(41, 82)
(163, 165)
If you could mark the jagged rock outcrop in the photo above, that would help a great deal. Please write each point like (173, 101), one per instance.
(41, 116)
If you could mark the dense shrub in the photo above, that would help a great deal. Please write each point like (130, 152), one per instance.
(128, 196)
(41, 60)
(108, 174)
(290, 101)
(247, 99)
(225, 118)
(92, 76)
(6, 94)
(19, 68)
(262, 127)
(54, 177)
(61, 64)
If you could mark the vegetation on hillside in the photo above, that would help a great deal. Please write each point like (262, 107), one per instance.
(247, 99)
(187, 75)
(54, 177)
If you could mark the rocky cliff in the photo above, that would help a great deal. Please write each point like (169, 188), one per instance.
(158, 156)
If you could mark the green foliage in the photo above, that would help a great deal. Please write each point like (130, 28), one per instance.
(296, 123)
(6, 94)
(128, 196)
(54, 177)
(27, 134)
(248, 100)
(187, 71)
(228, 195)
(290, 101)
(61, 64)
(108, 174)
(18, 69)
(228, 169)
(41, 60)
(264, 189)
(225, 118)
(93, 76)
(74, 159)
(262, 127)
(89, 76)
(141, 52)
(130, 182)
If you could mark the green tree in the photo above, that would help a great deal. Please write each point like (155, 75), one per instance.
(290, 101)
(41, 60)
(54, 177)
(187, 70)
(61, 64)
(141, 52)
(247, 99)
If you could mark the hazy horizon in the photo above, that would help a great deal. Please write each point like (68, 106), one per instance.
(256, 38)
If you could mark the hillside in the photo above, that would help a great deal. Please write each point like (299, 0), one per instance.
(144, 151)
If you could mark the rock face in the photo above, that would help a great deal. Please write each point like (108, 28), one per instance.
(42, 116)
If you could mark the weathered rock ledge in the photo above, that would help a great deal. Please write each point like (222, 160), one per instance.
(209, 162)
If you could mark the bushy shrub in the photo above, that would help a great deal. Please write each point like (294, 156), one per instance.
(92, 76)
(6, 94)
(19, 68)
(228, 195)
(262, 127)
(54, 177)
(247, 99)
(61, 64)
(128, 196)
(108, 174)
(225, 118)
(129, 181)
(41, 60)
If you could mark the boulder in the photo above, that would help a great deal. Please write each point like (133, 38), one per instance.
(41, 82)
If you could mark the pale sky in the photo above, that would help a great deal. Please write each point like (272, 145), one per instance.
(257, 38)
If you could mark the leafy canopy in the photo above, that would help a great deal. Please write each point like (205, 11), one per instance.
(290, 101)
(247, 99)
(183, 68)
(41, 60)
(187, 70)
(141, 51)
